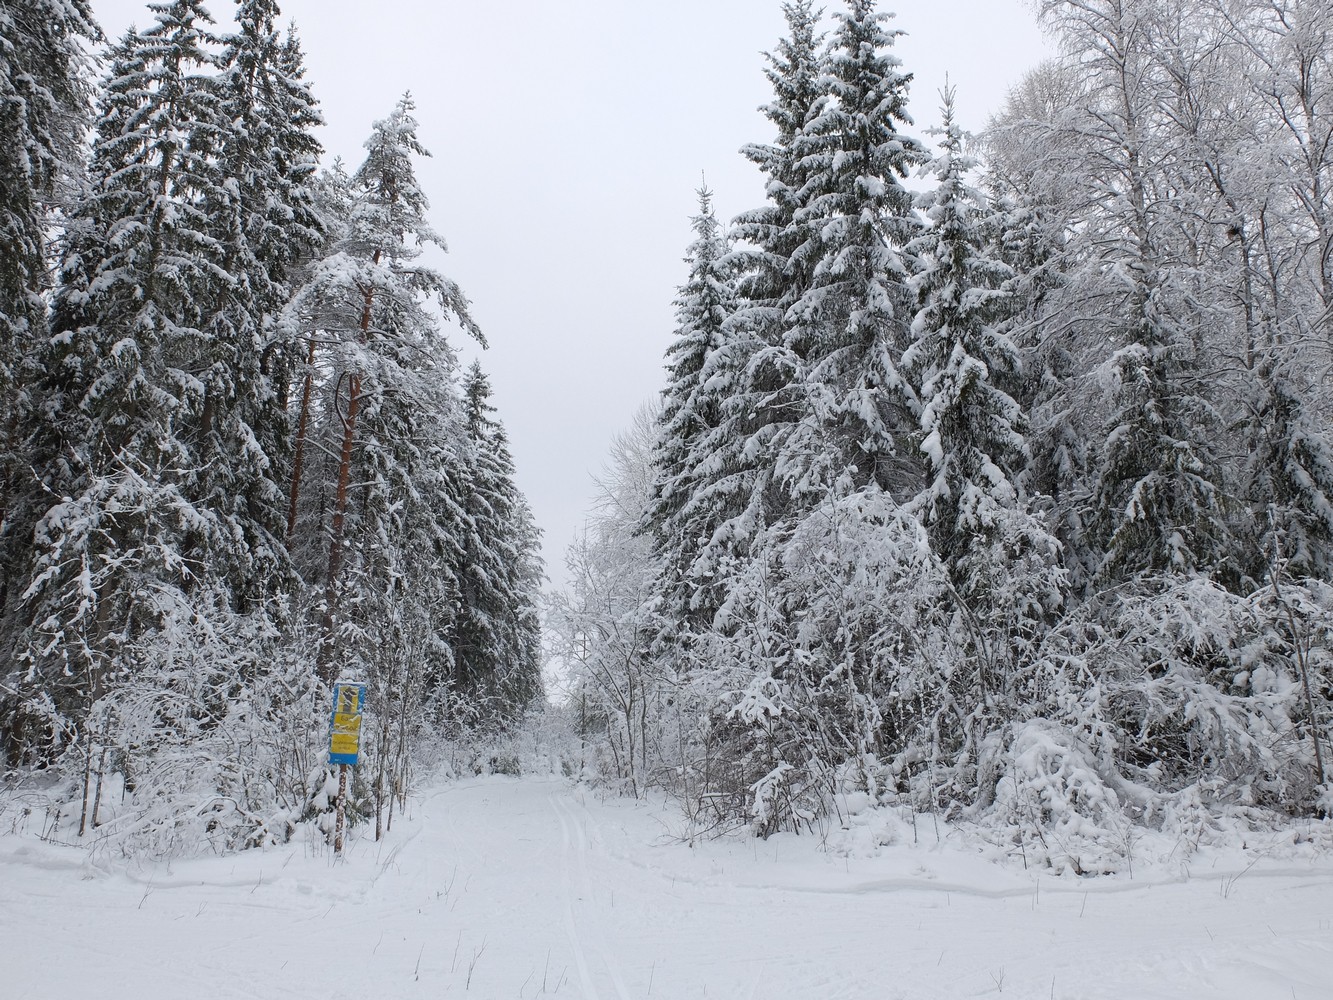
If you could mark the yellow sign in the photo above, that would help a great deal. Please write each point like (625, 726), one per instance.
(345, 731)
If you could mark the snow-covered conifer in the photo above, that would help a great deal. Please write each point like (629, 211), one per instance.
(850, 324)
(1288, 480)
(775, 271)
(496, 645)
(702, 372)
(962, 365)
(121, 391)
(1000, 559)
(44, 105)
(265, 224)
(772, 269)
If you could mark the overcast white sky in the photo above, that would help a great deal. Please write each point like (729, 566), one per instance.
(568, 139)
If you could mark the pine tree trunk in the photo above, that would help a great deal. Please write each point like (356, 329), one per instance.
(344, 475)
(302, 430)
(326, 671)
(397, 779)
(325, 661)
(379, 786)
(8, 480)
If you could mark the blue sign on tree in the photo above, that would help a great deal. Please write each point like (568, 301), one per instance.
(345, 725)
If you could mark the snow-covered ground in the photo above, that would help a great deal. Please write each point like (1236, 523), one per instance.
(512, 888)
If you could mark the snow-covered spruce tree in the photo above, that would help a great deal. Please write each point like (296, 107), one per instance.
(850, 323)
(850, 413)
(718, 491)
(816, 414)
(271, 151)
(45, 105)
(496, 637)
(121, 388)
(1288, 479)
(1002, 562)
(725, 496)
(265, 224)
(527, 576)
(702, 371)
(772, 267)
(45, 98)
(961, 364)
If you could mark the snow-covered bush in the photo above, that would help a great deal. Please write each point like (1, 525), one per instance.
(211, 740)
(1053, 796)
(1174, 704)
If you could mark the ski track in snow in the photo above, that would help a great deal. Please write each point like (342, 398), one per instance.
(502, 888)
(571, 925)
(576, 846)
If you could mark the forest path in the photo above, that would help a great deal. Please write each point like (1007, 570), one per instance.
(520, 888)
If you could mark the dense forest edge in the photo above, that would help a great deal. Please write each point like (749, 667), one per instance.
(991, 481)
(992, 475)
(242, 460)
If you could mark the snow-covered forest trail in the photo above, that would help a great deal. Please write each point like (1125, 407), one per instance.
(508, 888)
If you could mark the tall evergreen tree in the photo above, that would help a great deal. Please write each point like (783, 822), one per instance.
(772, 272)
(850, 324)
(497, 663)
(271, 152)
(265, 224)
(777, 269)
(692, 495)
(140, 262)
(1288, 479)
(1001, 561)
(45, 106)
(960, 361)
(126, 543)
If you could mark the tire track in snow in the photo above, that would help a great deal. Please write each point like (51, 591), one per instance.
(577, 845)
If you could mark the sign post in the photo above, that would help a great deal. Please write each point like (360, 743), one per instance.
(349, 700)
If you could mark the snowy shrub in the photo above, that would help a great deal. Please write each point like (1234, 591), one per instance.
(1205, 685)
(1062, 812)
(212, 741)
(1175, 704)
